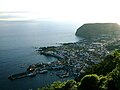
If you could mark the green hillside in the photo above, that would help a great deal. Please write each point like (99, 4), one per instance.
(92, 30)
(102, 76)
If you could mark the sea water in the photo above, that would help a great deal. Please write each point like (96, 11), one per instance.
(18, 40)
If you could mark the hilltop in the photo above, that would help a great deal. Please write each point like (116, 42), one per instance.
(92, 30)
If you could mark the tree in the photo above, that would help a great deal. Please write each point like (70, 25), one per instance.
(70, 85)
(89, 82)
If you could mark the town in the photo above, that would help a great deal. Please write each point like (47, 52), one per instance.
(72, 58)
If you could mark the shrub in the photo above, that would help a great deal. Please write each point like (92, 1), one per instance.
(89, 82)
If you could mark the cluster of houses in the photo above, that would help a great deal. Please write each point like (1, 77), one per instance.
(74, 58)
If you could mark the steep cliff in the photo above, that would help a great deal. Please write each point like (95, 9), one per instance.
(92, 30)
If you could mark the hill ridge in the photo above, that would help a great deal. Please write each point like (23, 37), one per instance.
(90, 30)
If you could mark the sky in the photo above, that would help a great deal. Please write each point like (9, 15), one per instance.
(61, 10)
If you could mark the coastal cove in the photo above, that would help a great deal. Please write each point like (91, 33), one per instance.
(17, 51)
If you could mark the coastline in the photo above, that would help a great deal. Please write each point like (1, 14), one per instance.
(68, 65)
(17, 52)
(72, 58)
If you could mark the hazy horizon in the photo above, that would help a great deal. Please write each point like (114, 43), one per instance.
(78, 11)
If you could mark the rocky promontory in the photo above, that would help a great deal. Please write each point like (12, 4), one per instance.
(92, 30)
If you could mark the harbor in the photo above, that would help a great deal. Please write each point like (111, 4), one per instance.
(72, 58)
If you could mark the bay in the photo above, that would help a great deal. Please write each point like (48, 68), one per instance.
(17, 52)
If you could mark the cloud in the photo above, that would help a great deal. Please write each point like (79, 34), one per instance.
(66, 10)
(10, 12)
(12, 16)
(7, 16)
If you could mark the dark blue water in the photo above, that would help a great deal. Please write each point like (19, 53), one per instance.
(17, 52)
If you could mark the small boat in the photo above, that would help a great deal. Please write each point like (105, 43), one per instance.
(43, 71)
(64, 75)
(31, 74)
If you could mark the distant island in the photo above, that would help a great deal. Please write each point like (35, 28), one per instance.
(93, 30)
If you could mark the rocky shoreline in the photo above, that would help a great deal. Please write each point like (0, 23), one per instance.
(72, 58)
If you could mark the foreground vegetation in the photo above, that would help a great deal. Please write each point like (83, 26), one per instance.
(102, 76)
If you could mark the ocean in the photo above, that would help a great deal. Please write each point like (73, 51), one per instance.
(18, 42)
